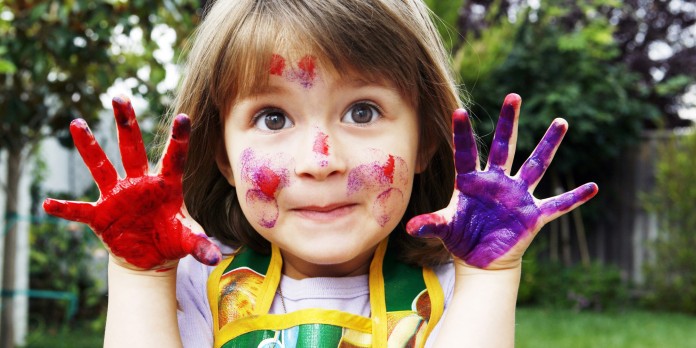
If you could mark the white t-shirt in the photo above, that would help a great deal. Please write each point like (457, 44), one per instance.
(348, 294)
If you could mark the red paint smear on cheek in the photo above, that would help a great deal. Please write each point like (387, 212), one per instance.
(277, 65)
(321, 144)
(388, 169)
(267, 181)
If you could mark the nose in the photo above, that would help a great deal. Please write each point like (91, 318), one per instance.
(319, 155)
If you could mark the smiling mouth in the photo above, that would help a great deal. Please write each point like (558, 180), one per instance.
(325, 213)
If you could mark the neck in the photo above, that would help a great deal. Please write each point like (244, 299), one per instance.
(297, 268)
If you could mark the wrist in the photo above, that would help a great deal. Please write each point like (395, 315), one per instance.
(505, 279)
(118, 267)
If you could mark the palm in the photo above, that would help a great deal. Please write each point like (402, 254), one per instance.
(139, 218)
(493, 217)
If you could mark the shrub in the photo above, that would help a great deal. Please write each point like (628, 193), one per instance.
(65, 258)
(670, 278)
(593, 287)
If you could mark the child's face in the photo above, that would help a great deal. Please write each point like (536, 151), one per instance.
(323, 165)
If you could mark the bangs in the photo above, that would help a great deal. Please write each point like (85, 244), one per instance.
(341, 38)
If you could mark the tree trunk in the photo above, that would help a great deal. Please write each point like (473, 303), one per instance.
(14, 163)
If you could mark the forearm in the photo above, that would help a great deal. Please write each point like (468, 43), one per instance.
(142, 309)
(482, 310)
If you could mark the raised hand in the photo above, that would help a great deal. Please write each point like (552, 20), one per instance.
(493, 217)
(141, 218)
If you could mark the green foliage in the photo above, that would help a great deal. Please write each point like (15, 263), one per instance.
(447, 14)
(64, 258)
(560, 70)
(57, 58)
(595, 287)
(672, 275)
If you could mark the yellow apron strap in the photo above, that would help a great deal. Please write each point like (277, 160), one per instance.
(213, 289)
(437, 300)
(270, 283)
(378, 304)
(296, 318)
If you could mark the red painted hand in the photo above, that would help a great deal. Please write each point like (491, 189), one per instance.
(141, 218)
(493, 217)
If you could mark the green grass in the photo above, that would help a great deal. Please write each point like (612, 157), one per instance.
(633, 328)
(65, 338)
(536, 327)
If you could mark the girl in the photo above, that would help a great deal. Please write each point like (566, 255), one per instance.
(319, 146)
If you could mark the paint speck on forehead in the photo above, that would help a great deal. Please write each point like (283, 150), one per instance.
(307, 71)
(277, 65)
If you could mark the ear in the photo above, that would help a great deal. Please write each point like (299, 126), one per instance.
(424, 157)
(223, 163)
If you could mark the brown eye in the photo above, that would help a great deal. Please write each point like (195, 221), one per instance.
(272, 120)
(361, 113)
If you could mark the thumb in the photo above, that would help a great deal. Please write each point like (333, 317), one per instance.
(433, 225)
(205, 251)
(198, 244)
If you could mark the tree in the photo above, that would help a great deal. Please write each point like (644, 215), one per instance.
(56, 59)
(654, 39)
(578, 60)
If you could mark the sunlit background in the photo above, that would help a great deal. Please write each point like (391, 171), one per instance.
(619, 272)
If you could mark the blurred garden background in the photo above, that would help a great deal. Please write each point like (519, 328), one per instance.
(619, 272)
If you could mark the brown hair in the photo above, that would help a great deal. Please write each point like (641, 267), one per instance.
(384, 39)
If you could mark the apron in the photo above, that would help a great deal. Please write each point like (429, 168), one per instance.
(406, 303)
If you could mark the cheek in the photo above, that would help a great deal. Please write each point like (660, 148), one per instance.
(388, 205)
(387, 182)
(263, 177)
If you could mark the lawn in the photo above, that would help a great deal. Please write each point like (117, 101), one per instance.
(564, 328)
(536, 327)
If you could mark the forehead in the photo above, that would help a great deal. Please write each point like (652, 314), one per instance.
(266, 43)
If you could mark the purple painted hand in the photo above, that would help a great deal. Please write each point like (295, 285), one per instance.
(493, 217)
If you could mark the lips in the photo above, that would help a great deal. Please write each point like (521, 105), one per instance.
(326, 212)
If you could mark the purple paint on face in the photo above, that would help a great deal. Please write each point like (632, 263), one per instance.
(386, 173)
(385, 205)
(266, 179)
(307, 71)
(388, 177)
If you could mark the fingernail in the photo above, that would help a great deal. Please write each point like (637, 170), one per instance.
(181, 128)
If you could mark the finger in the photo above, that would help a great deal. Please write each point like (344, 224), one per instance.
(205, 251)
(174, 158)
(69, 210)
(130, 140)
(535, 166)
(433, 225)
(505, 138)
(465, 153)
(198, 245)
(554, 207)
(103, 172)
